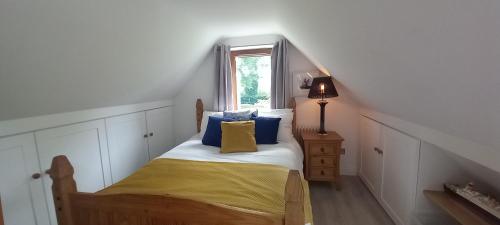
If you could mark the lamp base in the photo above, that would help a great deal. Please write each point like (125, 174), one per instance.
(322, 133)
(322, 104)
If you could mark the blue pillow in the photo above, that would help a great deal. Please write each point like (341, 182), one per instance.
(240, 116)
(213, 133)
(266, 130)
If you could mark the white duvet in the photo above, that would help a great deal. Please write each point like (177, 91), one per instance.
(287, 154)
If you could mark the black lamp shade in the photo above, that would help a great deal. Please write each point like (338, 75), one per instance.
(329, 89)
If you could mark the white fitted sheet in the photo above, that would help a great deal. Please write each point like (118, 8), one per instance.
(287, 154)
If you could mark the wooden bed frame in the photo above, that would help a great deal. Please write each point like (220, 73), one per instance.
(78, 208)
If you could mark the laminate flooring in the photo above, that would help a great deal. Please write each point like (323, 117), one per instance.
(353, 205)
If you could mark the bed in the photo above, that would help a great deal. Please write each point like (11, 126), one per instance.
(148, 198)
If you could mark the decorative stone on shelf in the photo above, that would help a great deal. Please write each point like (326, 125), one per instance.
(473, 195)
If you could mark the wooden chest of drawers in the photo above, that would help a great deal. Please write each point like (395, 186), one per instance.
(322, 156)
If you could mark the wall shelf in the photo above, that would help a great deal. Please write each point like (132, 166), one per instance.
(463, 212)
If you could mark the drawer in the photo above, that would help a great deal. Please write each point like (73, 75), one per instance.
(322, 149)
(320, 161)
(322, 173)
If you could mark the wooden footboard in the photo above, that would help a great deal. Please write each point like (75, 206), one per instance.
(77, 208)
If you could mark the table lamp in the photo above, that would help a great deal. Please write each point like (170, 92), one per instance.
(321, 88)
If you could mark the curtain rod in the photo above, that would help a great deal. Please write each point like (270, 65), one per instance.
(245, 47)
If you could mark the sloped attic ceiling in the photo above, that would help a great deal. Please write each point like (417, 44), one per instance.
(59, 56)
(432, 62)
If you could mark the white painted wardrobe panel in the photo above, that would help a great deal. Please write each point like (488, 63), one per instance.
(85, 145)
(161, 131)
(371, 160)
(127, 142)
(400, 174)
(23, 200)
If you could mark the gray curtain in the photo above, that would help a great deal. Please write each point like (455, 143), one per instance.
(224, 98)
(280, 79)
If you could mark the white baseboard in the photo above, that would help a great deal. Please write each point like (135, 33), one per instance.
(348, 171)
(18, 126)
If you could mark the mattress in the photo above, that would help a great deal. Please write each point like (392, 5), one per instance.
(286, 154)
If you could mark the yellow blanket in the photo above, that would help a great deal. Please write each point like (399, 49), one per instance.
(257, 187)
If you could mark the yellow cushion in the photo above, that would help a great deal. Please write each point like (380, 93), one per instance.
(238, 137)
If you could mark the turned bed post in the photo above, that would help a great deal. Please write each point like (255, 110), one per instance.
(294, 191)
(1, 213)
(293, 105)
(199, 114)
(294, 199)
(63, 185)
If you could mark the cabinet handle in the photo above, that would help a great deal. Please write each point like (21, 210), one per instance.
(151, 134)
(146, 136)
(322, 172)
(378, 150)
(36, 176)
(322, 149)
(322, 161)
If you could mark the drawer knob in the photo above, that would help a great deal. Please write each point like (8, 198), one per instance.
(322, 149)
(322, 172)
(36, 176)
(322, 161)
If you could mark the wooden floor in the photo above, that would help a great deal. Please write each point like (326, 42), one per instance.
(353, 205)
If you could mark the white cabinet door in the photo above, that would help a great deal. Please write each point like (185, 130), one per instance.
(371, 158)
(161, 131)
(127, 141)
(85, 146)
(23, 200)
(399, 177)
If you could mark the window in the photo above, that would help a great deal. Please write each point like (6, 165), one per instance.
(251, 71)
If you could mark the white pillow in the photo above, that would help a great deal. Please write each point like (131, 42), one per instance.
(204, 121)
(285, 128)
(276, 111)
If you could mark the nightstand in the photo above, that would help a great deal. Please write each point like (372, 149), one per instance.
(322, 162)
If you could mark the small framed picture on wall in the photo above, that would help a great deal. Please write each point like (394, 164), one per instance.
(302, 82)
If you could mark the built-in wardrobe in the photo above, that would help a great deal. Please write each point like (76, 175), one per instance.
(102, 151)
(389, 168)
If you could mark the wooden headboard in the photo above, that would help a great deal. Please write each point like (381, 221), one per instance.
(291, 105)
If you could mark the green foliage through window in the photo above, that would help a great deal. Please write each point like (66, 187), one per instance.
(248, 70)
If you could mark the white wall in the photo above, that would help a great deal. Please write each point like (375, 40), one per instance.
(201, 85)
(341, 113)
